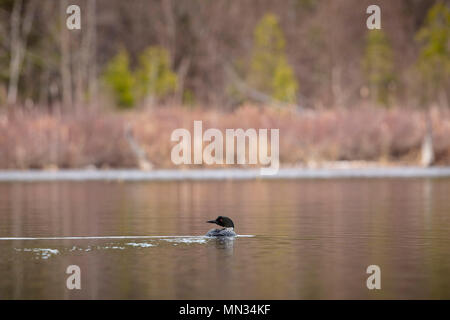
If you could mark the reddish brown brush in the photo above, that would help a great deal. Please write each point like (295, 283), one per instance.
(38, 139)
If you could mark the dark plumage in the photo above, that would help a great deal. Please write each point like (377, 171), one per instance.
(227, 231)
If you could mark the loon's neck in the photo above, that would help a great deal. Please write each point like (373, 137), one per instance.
(228, 229)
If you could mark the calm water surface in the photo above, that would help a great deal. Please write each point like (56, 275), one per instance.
(312, 239)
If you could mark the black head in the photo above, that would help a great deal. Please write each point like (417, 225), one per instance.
(223, 222)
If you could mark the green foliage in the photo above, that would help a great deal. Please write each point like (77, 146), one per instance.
(4, 65)
(120, 79)
(188, 97)
(283, 83)
(270, 71)
(155, 79)
(378, 65)
(307, 4)
(434, 58)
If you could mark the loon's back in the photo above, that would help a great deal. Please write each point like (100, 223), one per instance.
(221, 233)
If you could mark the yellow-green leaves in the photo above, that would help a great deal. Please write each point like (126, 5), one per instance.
(270, 71)
(119, 78)
(434, 58)
(153, 78)
(378, 65)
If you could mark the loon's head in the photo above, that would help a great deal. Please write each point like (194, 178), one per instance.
(223, 222)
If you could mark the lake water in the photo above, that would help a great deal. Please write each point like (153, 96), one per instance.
(307, 239)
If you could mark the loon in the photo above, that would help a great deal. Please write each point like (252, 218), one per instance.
(227, 231)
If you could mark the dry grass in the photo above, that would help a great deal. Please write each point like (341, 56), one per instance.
(36, 139)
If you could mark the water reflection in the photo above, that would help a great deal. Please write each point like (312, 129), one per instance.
(224, 243)
(314, 239)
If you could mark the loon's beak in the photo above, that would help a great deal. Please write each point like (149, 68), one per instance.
(211, 221)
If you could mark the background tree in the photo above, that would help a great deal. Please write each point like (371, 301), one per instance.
(270, 71)
(317, 44)
(154, 77)
(21, 25)
(434, 58)
(120, 80)
(378, 65)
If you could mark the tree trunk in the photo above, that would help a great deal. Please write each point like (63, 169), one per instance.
(92, 39)
(19, 34)
(66, 75)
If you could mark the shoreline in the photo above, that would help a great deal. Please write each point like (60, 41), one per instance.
(221, 174)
